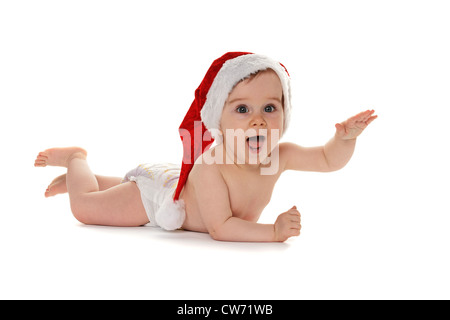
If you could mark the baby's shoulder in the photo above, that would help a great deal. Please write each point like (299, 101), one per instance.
(280, 158)
(288, 150)
(285, 148)
(207, 178)
(204, 169)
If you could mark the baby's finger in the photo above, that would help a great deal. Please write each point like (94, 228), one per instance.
(366, 115)
(362, 116)
(369, 114)
(295, 221)
(368, 121)
(293, 232)
(294, 215)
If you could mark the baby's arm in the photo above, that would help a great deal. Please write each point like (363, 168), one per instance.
(214, 205)
(332, 156)
(339, 149)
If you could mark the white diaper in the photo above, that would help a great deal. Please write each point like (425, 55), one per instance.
(157, 184)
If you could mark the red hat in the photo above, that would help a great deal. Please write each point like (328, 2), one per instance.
(206, 109)
(205, 113)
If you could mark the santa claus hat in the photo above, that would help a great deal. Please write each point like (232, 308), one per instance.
(206, 110)
(233, 71)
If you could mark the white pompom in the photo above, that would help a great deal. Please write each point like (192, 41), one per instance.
(171, 214)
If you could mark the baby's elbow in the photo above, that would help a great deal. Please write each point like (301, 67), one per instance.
(337, 167)
(334, 168)
(215, 236)
(217, 233)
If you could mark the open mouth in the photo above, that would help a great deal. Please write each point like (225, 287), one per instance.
(255, 143)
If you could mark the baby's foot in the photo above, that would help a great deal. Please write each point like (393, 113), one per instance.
(59, 157)
(57, 186)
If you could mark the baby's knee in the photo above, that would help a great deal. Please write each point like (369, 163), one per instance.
(81, 212)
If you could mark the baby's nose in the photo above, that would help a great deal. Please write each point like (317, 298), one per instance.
(258, 121)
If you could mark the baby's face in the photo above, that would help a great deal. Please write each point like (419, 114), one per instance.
(252, 118)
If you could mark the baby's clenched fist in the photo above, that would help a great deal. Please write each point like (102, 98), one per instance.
(287, 225)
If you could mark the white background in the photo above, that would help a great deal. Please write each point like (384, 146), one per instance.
(116, 77)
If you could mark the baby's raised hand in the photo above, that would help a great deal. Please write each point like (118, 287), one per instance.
(352, 127)
(287, 225)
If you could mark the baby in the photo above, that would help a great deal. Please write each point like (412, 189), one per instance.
(243, 104)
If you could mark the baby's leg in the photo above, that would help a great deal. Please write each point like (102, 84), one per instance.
(58, 185)
(120, 205)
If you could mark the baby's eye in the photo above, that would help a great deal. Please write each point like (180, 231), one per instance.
(269, 108)
(242, 109)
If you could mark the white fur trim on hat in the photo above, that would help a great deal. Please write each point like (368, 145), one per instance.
(171, 214)
(233, 71)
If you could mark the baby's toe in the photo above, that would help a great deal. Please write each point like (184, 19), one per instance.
(40, 163)
(42, 155)
(41, 160)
